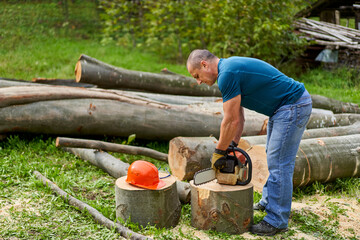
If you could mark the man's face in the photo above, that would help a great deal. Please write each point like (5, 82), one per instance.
(204, 74)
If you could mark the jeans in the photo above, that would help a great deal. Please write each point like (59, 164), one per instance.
(284, 131)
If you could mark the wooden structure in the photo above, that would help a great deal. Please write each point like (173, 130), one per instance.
(222, 208)
(332, 43)
(160, 208)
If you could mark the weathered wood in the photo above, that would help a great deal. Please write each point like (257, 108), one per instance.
(334, 105)
(333, 157)
(160, 207)
(117, 168)
(111, 147)
(91, 70)
(222, 208)
(62, 82)
(98, 217)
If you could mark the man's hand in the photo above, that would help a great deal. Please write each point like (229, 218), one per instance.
(218, 160)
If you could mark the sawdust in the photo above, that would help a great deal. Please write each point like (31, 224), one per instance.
(18, 205)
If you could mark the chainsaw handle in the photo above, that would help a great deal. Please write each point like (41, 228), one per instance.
(248, 161)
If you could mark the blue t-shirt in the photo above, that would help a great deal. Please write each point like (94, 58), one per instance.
(263, 88)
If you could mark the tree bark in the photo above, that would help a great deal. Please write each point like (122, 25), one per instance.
(334, 105)
(222, 208)
(160, 207)
(6, 82)
(321, 159)
(90, 70)
(98, 217)
(117, 168)
(62, 82)
(324, 120)
(111, 147)
(312, 133)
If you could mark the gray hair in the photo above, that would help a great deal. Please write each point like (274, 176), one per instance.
(197, 55)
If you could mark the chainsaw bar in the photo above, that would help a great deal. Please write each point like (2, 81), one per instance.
(204, 176)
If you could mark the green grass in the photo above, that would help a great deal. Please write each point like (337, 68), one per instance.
(37, 40)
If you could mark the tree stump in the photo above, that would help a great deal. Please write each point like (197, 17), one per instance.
(223, 208)
(159, 207)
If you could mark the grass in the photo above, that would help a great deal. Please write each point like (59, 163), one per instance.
(38, 40)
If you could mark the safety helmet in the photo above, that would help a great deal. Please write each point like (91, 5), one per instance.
(144, 174)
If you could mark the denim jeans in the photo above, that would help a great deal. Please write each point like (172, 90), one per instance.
(284, 131)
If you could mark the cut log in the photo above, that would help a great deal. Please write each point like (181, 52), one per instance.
(334, 105)
(117, 168)
(111, 147)
(323, 121)
(312, 133)
(98, 217)
(222, 208)
(91, 70)
(6, 82)
(62, 82)
(160, 207)
(321, 159)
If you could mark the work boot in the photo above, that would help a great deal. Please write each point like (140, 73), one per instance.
(265, 229)
(258, 207)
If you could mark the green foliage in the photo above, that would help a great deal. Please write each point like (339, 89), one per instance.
(173, 29)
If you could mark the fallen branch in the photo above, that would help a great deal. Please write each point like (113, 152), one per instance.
(111, 147)
(98, 217)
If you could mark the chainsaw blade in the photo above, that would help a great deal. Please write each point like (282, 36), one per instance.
(204, 176)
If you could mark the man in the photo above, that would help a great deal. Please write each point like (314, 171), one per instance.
(256, 85)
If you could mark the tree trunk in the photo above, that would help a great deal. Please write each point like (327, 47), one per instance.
(323, 121)
(312, 133)
(222, 208)
(160, 207)
(111, 147)
(5, 82)
(117, 168)
(98, 217)
(90, 70)
(334, 105)
(62, 82)
(321, 159)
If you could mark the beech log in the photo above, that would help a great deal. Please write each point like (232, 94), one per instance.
(334, 105)
(320, 159)
(93, 71)
(313, 133)
(111, 147)
(62, 82)
(222, 208)
(117, 168)
(98, 217)
(160, 207)
(6, 82)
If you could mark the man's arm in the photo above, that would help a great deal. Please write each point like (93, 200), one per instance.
(232, 123)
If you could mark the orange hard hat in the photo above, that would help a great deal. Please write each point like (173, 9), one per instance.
(144, 174)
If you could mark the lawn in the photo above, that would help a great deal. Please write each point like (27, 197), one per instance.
(37, 40)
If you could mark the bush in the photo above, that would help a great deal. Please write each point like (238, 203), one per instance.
(173, 29)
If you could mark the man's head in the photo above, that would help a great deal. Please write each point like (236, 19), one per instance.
(202, 65)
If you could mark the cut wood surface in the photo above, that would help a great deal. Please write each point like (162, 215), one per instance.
(334, 105)
(62, 82)
(117, 168)
(321, 159)
(111, 147)
(91, 70)
(222, 208)
(160, 207)
(98, 217)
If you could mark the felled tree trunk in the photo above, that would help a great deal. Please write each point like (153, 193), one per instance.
(62, 82)
(334, 105)
(98, 217)
(160, 207)
(117, 168)
(222, 208)
(324, 120)
(91, 70)
(111, 147)
(321, 159)
(312, 133)
(6, 82)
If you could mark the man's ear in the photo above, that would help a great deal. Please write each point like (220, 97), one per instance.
(203, 63)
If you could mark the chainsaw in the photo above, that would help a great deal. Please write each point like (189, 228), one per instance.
(237, 170)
